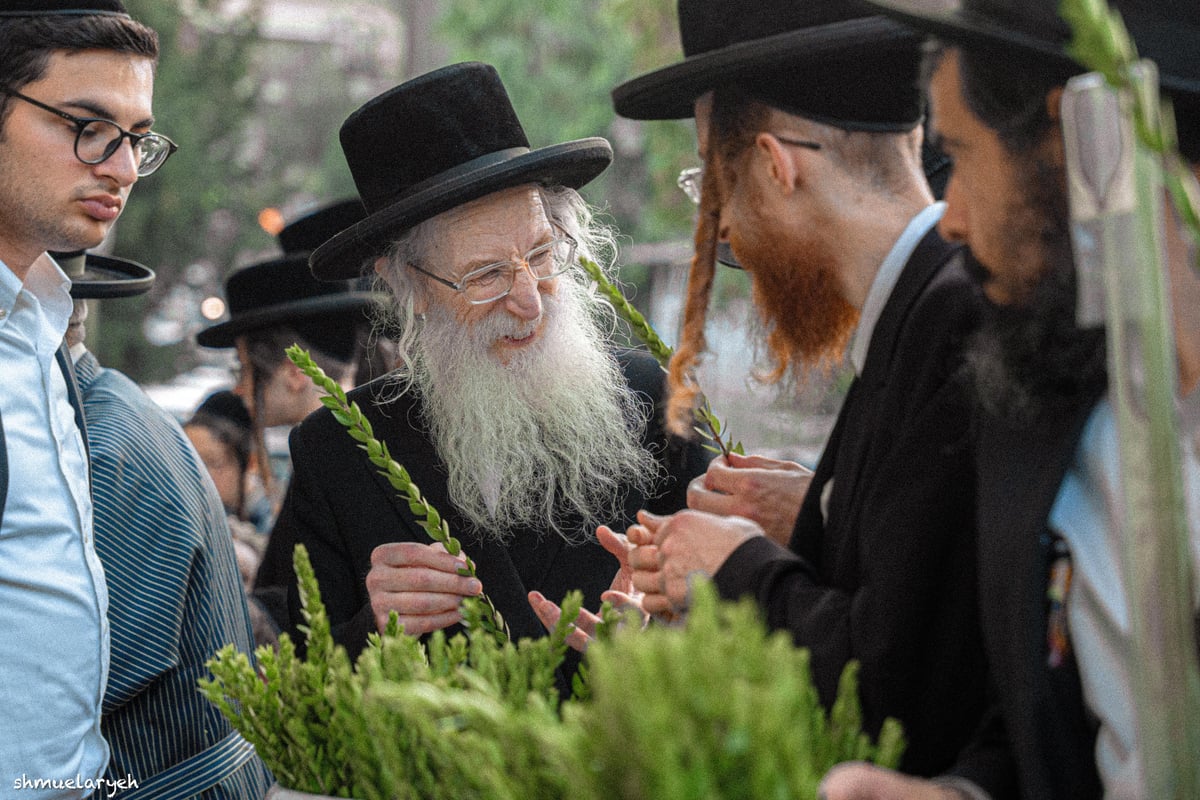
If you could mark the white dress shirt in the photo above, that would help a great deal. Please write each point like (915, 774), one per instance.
(1084, 514)
(54, 645)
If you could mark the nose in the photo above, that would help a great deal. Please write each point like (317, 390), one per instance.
(954, 225)
(121, 166)
(525, 299)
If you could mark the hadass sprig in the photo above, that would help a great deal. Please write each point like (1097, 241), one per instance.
(359, 427)
(710, 426)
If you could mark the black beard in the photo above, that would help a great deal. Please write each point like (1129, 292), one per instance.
(1030, 358)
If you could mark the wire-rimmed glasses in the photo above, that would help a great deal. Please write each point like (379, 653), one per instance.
(493, 281)
(690, 179)
(96, 139)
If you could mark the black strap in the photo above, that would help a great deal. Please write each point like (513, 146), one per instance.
(3, 471)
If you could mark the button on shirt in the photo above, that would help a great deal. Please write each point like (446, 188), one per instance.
(54, 645)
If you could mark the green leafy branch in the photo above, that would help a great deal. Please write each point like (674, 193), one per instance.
(359, 428)
(1101, 42)
(710, 426)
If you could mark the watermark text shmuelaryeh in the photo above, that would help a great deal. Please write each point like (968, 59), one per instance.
(108, 786)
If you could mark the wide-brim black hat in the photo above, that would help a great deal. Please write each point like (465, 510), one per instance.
(845, 63)
(283, 291)
(97, 277)
(433, 143)
(1165, 31)
(41, 8)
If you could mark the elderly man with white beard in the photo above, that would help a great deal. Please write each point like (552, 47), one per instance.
(511, 410)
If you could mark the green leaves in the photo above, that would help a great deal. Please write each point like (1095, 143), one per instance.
(710, 427)
(350, 416)
(408, 720)
(718, 709)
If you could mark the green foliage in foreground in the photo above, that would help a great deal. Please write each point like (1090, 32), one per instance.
(449, 718)
(720, 709)
(714, 709)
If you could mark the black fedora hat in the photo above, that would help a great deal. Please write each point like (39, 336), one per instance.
(1165, 31)
(433, 143)
(97, 277)
(833, 59)
(41, 8)
(282, 291)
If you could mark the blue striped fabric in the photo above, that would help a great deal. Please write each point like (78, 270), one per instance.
(175, 596)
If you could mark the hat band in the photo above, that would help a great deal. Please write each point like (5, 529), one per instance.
(454, 173)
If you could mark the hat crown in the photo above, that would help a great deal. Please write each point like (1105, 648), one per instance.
(38, 8)
(277, 282)
(450, 117)
(707, 25)
(312, 230)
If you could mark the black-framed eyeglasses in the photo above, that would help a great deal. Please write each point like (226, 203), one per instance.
(493, 281)
(690, 179)
(96, 139)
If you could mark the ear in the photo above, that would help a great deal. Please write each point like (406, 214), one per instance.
(782, 168)
(1054, 104)
(296, 380)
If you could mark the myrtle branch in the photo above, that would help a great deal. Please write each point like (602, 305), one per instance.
(710, 426)
(359, 428)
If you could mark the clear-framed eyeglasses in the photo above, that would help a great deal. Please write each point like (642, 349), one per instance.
(494, 281)
(691, 179)
(96, 139)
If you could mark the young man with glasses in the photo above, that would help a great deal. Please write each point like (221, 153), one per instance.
(808, 120)
(512, 411)
(78, 84)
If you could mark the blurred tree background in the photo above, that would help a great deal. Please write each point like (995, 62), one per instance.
(254, 92)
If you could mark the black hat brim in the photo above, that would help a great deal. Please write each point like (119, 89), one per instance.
(342, 304)
(1175, 62)
(671, 92)
(572, 164)
(106, 277)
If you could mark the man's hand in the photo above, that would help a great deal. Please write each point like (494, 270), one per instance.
(420, 582)
(763, 489)
(856, 780)
(670, 550)
(621, 593)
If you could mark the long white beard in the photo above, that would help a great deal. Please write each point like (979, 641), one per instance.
(552, 436)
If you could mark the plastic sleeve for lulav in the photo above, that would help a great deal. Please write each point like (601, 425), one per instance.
(1120, 149)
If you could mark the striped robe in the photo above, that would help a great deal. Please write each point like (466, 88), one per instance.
(175, 596)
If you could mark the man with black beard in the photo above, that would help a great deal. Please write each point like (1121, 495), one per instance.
(511, 411)
(1053, 599)
(808, 118)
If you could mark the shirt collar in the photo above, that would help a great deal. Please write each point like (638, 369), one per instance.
(886, 277)
(48, 284)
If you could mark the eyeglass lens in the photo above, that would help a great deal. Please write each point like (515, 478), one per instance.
(496, 280)
(98, 139)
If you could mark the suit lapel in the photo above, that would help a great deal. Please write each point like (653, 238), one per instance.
(853, 434)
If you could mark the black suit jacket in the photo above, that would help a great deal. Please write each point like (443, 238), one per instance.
(888, 576)
(1038, 740)
(340, 508)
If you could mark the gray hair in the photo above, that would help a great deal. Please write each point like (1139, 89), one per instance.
(596, 241)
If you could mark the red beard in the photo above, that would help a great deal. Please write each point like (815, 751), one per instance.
(806, 320)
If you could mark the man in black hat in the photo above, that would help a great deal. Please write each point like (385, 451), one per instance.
(272, 305)
(175, 597)
(808, 119)
(511, 411)
(1054, 602)
(78, 79)
(277, 303)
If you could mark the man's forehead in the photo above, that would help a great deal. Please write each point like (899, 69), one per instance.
(503, 219)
